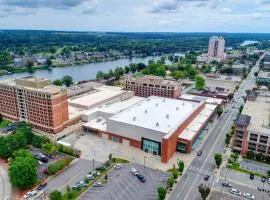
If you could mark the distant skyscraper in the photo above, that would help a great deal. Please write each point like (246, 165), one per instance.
(216, 48)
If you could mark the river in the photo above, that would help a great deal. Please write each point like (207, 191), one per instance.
(82, 72)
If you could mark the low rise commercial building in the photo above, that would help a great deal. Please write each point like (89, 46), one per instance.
(145, 86)
(263, 78)
(156, 125)
(252, 128)
(35, 101)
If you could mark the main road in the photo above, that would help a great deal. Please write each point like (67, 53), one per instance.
(187, 187)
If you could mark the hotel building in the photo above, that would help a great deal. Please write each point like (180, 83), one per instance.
(216, 48)
(145, 86)
(35, 101)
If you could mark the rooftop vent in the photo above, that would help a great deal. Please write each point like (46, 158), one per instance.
(134, 118)
(145, 111)
(156, 104)
(177, 108)
(163, 100)
(167, 116)
(157, 124)
(183, 103)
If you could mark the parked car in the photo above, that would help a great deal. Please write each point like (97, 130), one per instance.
(206, 177)
(94, 174)
(77, 186)
(226, 184)
(199, 153)
(82, 184)
(41, 186)
(42, 158)
(98, 184)
(118, 166)
(251, 176)
(248, 195)
(235, 192)
(89, 177)
(141, 178)
(34, 193)
(134, 171)
(263, 179)
(27, 195)
(101, 167)
(268, 181)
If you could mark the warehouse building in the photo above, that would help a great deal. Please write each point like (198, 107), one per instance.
(156, 125)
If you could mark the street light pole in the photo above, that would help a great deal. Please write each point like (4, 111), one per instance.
(93, 163)
(144, 161)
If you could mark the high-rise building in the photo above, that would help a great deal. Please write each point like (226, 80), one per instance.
(35, 101)
(216, 48)
(153, 86)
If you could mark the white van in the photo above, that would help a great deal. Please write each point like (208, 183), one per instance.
(134, 171)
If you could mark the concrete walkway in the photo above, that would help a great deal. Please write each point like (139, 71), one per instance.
(5, 187)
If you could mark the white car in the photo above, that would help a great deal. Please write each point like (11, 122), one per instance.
(27, 195)
(118, 166)
(248, 195)
(134, 171)
(235, 192)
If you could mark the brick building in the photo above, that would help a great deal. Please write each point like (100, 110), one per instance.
(35, 101)
(156, 125)
(145, 86)
(252, 128)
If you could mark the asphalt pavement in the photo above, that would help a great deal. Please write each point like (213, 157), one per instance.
(187, 187)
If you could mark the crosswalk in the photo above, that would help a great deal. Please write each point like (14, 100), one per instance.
(199, 170)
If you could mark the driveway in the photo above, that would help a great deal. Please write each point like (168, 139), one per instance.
(76, 172)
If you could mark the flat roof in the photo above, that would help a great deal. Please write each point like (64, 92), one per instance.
(157, 113)
(197, 123)
(259, 110)
(100, 94)
(115, 106)
(209, 100)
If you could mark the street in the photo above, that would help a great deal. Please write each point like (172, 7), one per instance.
(187, 187)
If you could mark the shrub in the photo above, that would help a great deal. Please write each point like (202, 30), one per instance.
(59, 165)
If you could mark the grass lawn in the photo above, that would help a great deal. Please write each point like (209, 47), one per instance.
(237, 167)
(5, 123)
(119, 160)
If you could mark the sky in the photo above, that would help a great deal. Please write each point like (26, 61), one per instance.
(137, 15)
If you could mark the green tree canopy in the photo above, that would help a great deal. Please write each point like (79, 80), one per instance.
(218, 159)
(204, 191)
(55, 195)
(23, 170)
(161, 193)
(58, 82)
(199, 83)
(67, 80)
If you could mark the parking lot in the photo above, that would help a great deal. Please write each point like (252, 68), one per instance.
(44, 166)
(76, 172)
(241, 182)
(123, 185)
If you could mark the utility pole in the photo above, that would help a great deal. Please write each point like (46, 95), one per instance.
(93, 163)
(144, 161)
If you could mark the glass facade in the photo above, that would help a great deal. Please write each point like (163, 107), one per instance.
(115, 139)
(151, 146)
(181, 147)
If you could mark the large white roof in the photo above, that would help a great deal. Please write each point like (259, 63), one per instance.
(94, 97)
(157, 113)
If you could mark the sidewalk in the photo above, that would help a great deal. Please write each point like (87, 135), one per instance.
(5, 186)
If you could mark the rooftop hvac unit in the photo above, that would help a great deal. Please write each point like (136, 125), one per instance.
(156, 104)
(157, 124)
(167, 116)
(163, 100)
(177, 108)
(134, 118)
(145, 111)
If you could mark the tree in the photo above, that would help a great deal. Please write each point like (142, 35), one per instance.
(218, 159)
(228, 138)
(17, 141)
(111, 74)
(219, 111)
(110, 156)
(256, 74)
(133, 68)
(178, 74)
(175, 173)
(199, 83)
(259, 156)
(170, 181)
(29, 63)
(58, 82)
(23, 170)
(67, 80)
(99, 75)
(170, 58)
(181, 166)
(55, 195)
(48, 148)
(204, 190)
(48, 62)
(250, 155)
(106, 176)
(4, 148)
(161, 71)
(161, 193)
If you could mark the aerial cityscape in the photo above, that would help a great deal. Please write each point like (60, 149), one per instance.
(141, 100)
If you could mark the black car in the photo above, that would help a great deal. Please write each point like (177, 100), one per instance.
(206, 177)
(251, 176)
(42, 158)
(41, 186)
(199, 153)
(141, 178)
